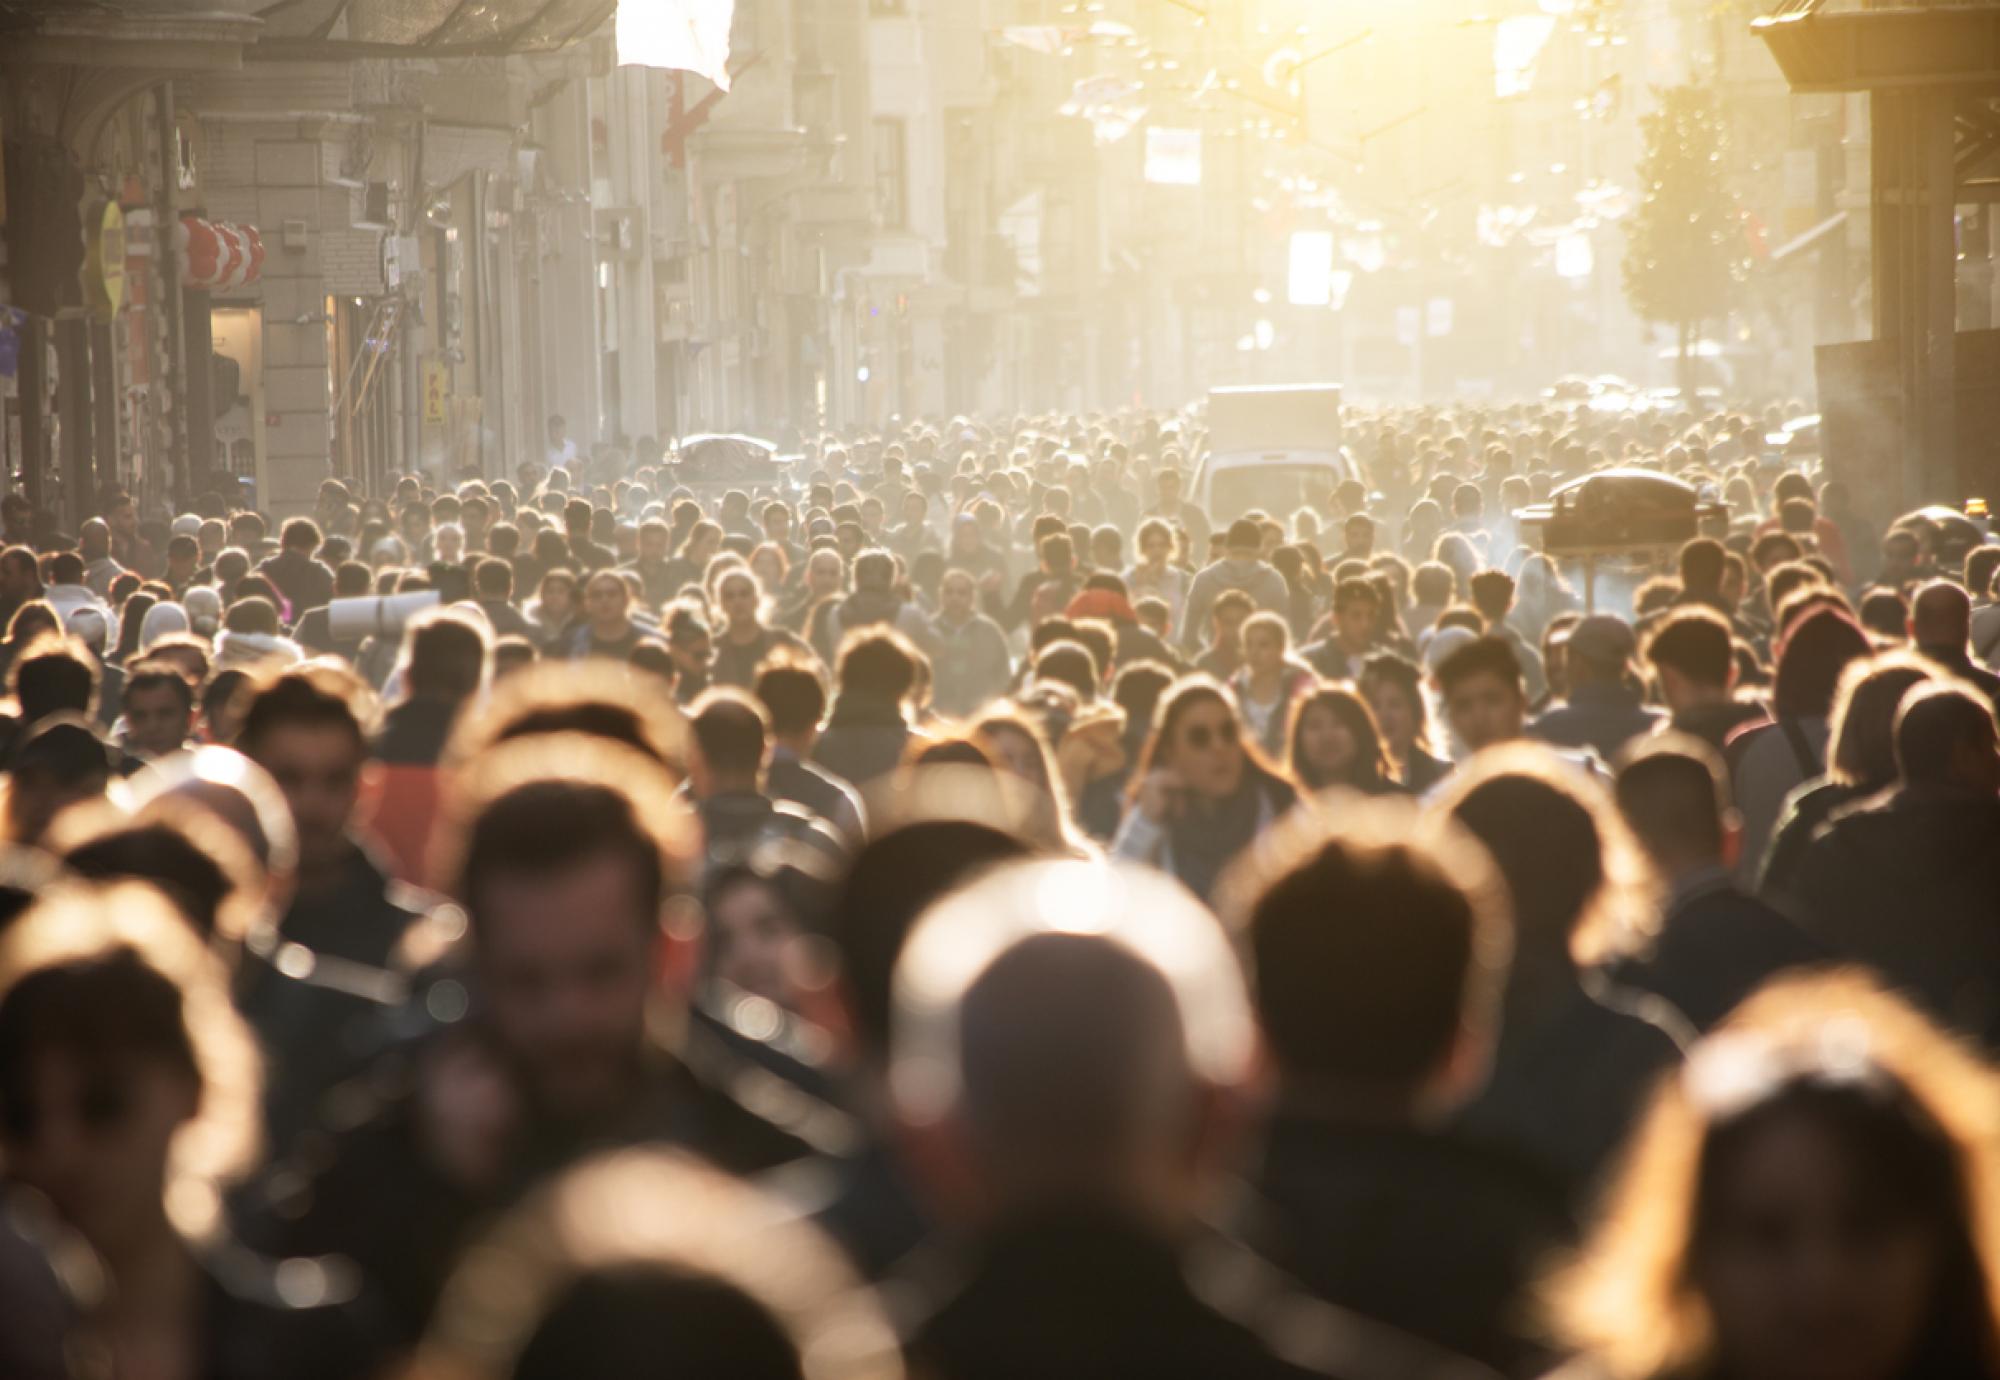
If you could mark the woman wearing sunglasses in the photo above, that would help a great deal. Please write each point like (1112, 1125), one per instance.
(128, 1103)
(1202, 792)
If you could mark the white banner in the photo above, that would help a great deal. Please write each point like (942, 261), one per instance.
(684, 35)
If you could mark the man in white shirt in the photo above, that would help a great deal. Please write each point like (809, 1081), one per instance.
(561, 450)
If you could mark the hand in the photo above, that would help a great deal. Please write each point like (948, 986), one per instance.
(1160, 796)
(466, 1112)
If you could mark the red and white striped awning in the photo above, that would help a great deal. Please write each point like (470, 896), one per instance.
(217, 255)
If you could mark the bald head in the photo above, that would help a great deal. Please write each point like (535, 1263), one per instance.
(1941, 616)
(1067, 1020)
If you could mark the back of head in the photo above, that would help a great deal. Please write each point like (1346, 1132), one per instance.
(889, 884)
(1862, 748)
(448, 655)
(1945, 736)
(1492, 594)
(793, 694)
(55, 675)
(730, 728)
(1702, 561)
(1066, 1018)
(1379, 944)
(1674, 793)
(1245, 538)
(1941, 616)
(255, 615)
(1814, 651)
(1521, 805)
(1695, 644)
(879, 663)
(647, 1264)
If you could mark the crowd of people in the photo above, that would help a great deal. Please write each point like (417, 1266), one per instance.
(966, 911)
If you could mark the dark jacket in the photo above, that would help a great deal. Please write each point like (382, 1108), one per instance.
(1418, 1229)
(1713, 723)
(304, 580)
(864, 738)
(1716, 948)
(1572, 1071)
(818, 790)
(1909, 883)
(1600, 717)
(373, 1195)
(1085, 1295)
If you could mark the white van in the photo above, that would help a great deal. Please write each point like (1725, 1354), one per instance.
(1276, 449)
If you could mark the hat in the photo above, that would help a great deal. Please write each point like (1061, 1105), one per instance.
(187, 525)
(1603, 639)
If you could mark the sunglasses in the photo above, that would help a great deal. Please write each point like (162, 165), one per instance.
(1201, 736)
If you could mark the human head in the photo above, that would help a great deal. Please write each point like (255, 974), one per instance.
(1811, 655)
(1485, 697)
(1578, 883)
(300, 535)
(879, 664)
(1694, 656)
(1945, 736)
(1069, 1032)
(1674, 793)
(1393, 687)
(1335, 741)
(1378, 942)
(128, 1082)
(1226, 618)
(1599, 651)
(644, 1257)
(731, 738)
(1812, 1196)
(447, 655)
(54, 675)
(158, 706)
(564, 850)
(1941, 618)
(59, 761)
(1197, 736)
(307, 727)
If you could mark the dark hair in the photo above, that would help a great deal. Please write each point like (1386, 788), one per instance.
(1812, 653)
(299, 534)
(1371, 768)
(54, 675)
(254, 615)
(793, 694)
(551, 824)
(1702, 561)
(313, 695)
(1071, 664)
(731, 729)
(1491, 656)
(166, 854)
(448, 657)
(1366, 956)
(617, 1323)
(1548, 848)
(879, 662)
(1387, 668)
(892, 881)
(152, 675)
(1695, 643)
(1932, 724)
(493, 578)
(1673, 791)
(1492, 593)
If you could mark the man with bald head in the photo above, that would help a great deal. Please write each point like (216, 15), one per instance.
(1941, 628)
(99, 569)
(1070, 1049)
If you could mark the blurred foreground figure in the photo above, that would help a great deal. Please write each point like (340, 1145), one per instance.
(1813, 1198)
(1071, 1045)
(1380, 943)
(648, 1264)
(128, 1101)
(565, 849)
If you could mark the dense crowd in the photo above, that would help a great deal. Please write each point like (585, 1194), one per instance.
(960, 908)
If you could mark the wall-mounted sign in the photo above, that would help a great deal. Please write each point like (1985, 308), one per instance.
(105, 270)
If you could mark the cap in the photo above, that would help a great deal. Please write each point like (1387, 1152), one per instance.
(1603, 638)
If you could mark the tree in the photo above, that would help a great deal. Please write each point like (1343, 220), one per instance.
(1685, 249)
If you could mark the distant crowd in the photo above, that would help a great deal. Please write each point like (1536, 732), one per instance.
(955, 906)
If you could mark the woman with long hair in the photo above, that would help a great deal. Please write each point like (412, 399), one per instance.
(554, 612)
(1335, 741)
(1022, 750)
(1814, 1196)
(746, 638)
(1393, 687)
(1202, 791)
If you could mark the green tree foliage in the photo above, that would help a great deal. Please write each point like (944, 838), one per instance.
(1685, 249)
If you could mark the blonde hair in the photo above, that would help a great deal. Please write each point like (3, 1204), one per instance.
(1628, 1298)
(77, 924)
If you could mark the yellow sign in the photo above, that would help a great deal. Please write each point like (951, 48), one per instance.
(106, 270)
(434, 390)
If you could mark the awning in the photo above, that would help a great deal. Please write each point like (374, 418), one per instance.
(1810, 240)
(302, 29)
(216, 256)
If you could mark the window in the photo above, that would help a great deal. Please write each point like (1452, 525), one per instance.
(892, 208)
